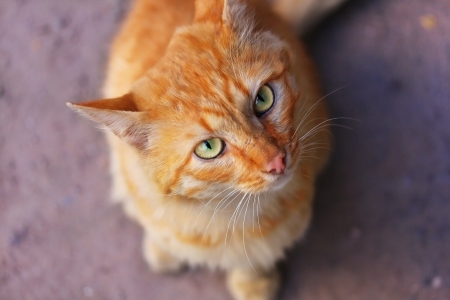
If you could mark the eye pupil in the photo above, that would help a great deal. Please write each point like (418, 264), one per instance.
(208, 145)
(259, 99)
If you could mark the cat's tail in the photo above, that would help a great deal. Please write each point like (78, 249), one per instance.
(302, 14)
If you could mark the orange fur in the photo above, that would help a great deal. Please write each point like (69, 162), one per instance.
(182, 72)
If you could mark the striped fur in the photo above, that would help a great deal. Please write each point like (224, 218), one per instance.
(181, 73)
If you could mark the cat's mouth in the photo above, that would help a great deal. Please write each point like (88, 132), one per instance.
(280, 181)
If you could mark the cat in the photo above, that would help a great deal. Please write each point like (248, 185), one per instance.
(217, 131)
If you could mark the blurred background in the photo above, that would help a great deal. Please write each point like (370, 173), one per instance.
(382, 219)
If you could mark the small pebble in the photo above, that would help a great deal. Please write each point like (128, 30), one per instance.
(428, 21)
(36, 45)
(88, 292)
(436, 282)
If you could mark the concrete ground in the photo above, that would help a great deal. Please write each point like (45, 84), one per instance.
(382, 220)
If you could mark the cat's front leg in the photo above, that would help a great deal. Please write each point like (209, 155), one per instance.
(248, 284)
(160, 261)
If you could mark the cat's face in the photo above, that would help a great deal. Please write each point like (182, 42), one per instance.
(216, 113)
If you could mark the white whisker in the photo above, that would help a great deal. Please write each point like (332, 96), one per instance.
(253, 214)
(205, 205)
(242, 208)
(259, 224)
(215, 212)
(224, 200)
(231, 218)
(243, 235)
(229, 202)
(322, 124)
(311, 109)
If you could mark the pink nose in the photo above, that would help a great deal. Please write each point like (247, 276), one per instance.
(276, 165)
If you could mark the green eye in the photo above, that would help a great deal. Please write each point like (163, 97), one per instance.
(264, 100)
(210, 148)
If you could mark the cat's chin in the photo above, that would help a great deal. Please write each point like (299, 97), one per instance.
(280, 182)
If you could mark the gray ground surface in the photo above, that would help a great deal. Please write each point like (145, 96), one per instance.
(382, 222)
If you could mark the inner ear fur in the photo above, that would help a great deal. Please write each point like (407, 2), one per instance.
(121, 116)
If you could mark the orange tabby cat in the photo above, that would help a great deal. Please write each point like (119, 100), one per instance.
(217, 133)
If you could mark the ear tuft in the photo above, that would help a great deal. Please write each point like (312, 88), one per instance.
(209, 11)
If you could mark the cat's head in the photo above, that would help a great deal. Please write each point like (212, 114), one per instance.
(218, 111)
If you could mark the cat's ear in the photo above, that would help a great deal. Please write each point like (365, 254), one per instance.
(209, 11)
(214, 11)
(120, 115)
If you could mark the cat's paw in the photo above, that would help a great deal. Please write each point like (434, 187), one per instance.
(160, 261)
(251, 285)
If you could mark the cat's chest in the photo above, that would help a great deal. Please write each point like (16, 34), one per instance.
(239, 239)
